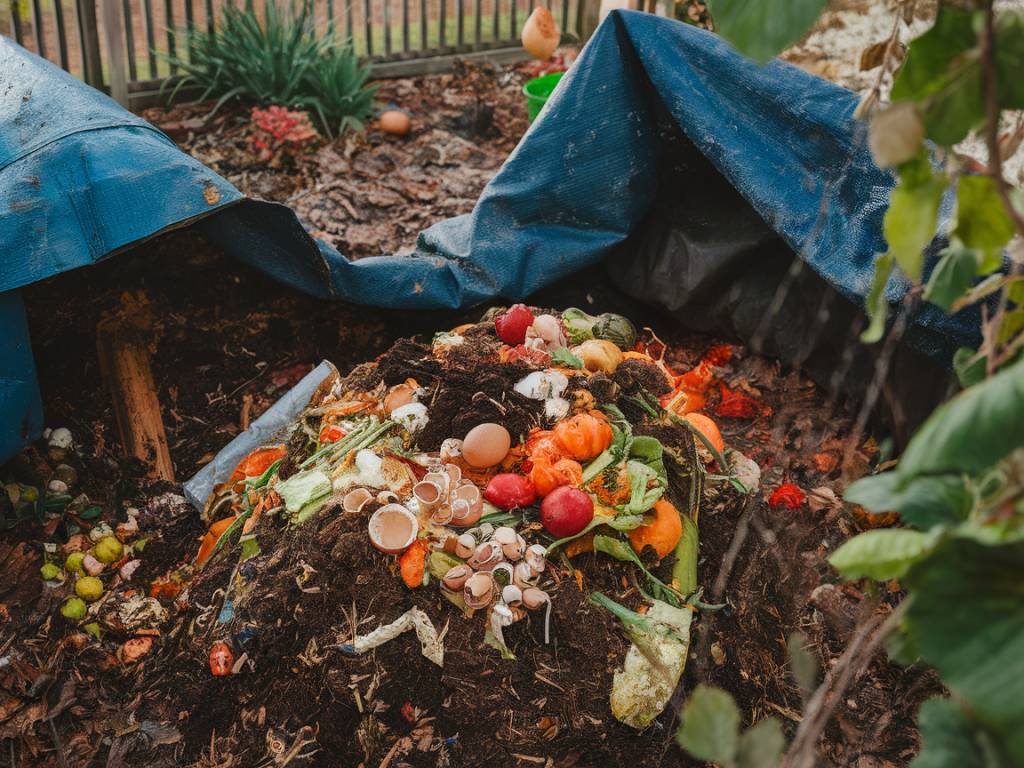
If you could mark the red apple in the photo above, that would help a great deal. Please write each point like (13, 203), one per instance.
(566, 511)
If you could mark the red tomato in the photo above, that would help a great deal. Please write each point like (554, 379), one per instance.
(512, 324)
(508, 491)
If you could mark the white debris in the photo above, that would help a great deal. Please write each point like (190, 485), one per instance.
(61, 438)
(412, 417)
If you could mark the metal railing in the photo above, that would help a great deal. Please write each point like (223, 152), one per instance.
(119, 45)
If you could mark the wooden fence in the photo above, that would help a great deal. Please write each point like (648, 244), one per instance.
(121, 46)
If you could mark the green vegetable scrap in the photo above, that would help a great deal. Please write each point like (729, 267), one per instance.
(655, 660)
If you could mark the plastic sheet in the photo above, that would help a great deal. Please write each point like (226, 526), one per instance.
(80, 179)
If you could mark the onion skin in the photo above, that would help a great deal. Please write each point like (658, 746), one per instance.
(540, 34)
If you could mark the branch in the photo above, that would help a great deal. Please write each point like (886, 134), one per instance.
(991, 92)
(822, 704)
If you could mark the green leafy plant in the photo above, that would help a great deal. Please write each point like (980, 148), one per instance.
(277, 60)
(336, 91)
(959, 485)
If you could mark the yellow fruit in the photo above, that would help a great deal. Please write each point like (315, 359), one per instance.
(89, 588)
(108, 550)
(73, 609)
(74, 562)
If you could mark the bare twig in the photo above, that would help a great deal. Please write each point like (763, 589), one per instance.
(990, 87)
(899, 327)
(822, 704)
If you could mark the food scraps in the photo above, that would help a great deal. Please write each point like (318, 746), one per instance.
(529, 434)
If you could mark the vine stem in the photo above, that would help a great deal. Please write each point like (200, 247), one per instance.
(991, 91)
(990, 88)
(823, 702)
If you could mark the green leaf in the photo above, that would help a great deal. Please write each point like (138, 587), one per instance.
(929, 56)
(761, 745)
(952, 276)
(616, 548)
(981, 220)
(959, 107)
(923, 502)
(911, 221)
(875, 303)
(1010, 58)
(711, 726)
(881, 554)
(966, 617)
(565, 358)
(969, 366)
(803, 663)
(1013, 323)
(972, 431)
(761, 29)
(950, 739)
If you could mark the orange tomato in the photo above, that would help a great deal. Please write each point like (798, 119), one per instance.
(584, 436)
(548, 475)
(708, 428)
(662, 533)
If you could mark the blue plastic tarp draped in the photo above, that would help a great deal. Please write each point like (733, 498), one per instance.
(81, 178)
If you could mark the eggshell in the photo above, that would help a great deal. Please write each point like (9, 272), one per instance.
(395, 122)
(392, 529)
(486, 445)
(400, 395)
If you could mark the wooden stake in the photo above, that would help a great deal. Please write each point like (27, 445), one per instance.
(124, 365)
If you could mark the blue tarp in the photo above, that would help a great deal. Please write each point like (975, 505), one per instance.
(81, 178)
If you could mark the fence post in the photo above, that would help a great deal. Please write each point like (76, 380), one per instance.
(587, 18)
(113, 26)
(89, 35)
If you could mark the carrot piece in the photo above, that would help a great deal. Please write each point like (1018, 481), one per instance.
(212, 536)
(708, 428)
(412, 563)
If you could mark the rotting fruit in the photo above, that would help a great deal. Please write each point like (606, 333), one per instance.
(566, 511)
(89, 588)
(508, 491)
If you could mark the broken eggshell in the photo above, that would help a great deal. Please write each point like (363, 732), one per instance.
(451, 449)
(429, 496)
(512, 544)
(355, 500)
(457, 577)
(535, 557)
(486, 556)
(511, 594)
(478, 590)
(392, 529)
(465, 546)
(400, 395)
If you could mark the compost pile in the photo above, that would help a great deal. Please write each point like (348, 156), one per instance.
(281, 604)
(443, 490)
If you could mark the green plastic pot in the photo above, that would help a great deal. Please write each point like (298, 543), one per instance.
(537, 92)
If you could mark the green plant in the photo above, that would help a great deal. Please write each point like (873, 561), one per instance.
(959, 485)
(336, 91)
(278, 60)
